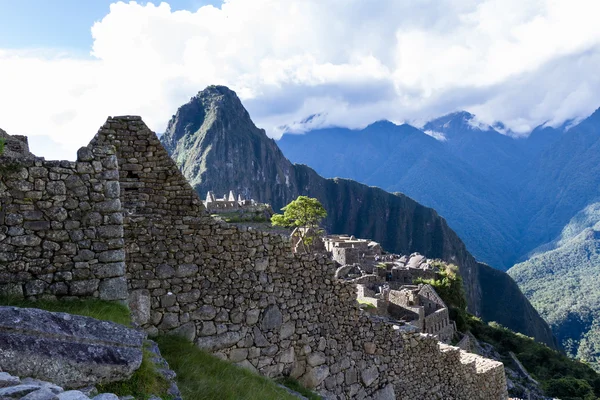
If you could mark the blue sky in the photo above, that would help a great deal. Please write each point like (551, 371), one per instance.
(62, 24)
(65, 65)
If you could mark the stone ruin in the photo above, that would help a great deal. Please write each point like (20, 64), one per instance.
(226, 203)
(385, 282)
(122, 223)
(232, 203)
(417, 305)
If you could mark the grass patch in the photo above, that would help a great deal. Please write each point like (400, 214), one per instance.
(144, 382)
(366, 304)
(99, 309)
(201, 376)
(297, 387)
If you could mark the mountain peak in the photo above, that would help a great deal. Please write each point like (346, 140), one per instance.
(220, 98)
(382, 124)
(214, 105)
(455, 124)
(216, 92)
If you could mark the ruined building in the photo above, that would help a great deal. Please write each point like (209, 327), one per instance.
(226, 203)
(122, 223)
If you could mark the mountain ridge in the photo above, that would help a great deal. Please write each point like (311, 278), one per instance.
(491, 187)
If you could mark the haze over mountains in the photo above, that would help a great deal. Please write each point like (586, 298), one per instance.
(218, 147)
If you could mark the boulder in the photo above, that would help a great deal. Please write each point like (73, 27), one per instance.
(68, 350)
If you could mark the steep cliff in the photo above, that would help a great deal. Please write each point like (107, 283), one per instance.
(217, 146)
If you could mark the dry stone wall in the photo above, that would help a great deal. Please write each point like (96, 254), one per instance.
(61, 225)
(70, 228)
(243, 295)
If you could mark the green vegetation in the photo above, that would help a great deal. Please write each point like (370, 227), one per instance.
(305, 213)
(365, 304)
(449, 286)
(99, 309)
(144, 382)
(1, 146)
(201, 376)
(563, 284)
(558, 375)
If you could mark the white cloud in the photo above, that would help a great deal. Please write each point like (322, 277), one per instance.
(524, 62)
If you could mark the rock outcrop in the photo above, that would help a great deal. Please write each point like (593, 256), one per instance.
(68, 350)
(217, 147)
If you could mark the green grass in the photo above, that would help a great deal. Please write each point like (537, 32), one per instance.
(366, 304)
(201, 376)
(99, 309)
(145, 381)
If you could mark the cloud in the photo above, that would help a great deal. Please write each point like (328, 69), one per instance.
(353, 62)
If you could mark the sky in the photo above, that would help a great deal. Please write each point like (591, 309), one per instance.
(66, 65)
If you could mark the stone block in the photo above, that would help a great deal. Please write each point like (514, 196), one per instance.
(271, 318)
(287, 330)
(113, 289)
(187, 331)
(314, 376)
(165, 271)
(252, 316)
(369, 375)
(185, 270)
(205, 312)
(387, 393)
(35, 287)
(69, 350)
(315, 359)
(83, 288)
(218, 342)
(109, 270)
(139, 304)
(237, 355)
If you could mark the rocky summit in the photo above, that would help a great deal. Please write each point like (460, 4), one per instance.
(214, 142)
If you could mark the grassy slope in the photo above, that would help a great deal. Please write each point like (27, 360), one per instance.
(201, 376)
(563, 285)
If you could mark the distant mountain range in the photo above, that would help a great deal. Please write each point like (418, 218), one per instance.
(508, 199)
(218, 148)
(504, 196)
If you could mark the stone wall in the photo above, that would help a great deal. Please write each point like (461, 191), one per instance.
(61, 231)
(243, 295)
(440, 325)
(239, 293)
